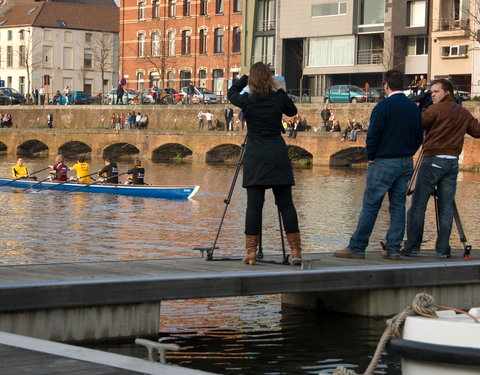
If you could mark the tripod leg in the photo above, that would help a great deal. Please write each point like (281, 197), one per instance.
(461, 233)
(280, 222)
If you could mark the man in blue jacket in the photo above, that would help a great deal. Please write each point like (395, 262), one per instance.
(394, 135)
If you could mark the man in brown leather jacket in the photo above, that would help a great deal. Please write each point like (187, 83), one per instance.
(446, 124)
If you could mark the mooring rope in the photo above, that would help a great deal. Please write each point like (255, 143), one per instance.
(423, 304)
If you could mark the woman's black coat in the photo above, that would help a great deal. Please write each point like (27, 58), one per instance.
(266, 162)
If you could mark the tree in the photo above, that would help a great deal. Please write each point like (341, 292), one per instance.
(29, 55)
(102, 47)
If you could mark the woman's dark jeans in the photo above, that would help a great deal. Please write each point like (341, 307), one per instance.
(283, 199)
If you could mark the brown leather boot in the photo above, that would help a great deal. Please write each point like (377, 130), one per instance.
(294, 242)
(251, 244)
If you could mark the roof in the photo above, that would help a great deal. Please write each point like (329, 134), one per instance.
(106, 3)
(63, 15)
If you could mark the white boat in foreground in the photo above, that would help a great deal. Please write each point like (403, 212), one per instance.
(449, 345)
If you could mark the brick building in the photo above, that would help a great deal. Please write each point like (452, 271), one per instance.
(169, 43)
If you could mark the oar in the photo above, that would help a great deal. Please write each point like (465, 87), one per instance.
(23, 177)
(38, 183)
(64, 182)
(96, 182)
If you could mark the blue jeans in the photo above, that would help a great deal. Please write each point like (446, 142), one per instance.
(384, 176)
(440, 174)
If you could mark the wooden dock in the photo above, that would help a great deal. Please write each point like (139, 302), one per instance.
(27, 355)
(34, 287)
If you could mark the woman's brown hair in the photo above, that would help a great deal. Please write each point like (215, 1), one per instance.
(260, 79)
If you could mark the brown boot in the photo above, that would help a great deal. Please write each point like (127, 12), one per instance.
(295, 247)
(251, 244)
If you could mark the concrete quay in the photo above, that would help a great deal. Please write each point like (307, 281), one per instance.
(75, 302)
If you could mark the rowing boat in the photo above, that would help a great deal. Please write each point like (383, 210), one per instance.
(149, 191)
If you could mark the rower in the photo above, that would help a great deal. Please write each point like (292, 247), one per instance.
(83, 169)
(19, 170)
(108, 171)
(137, 174)
(60, 169)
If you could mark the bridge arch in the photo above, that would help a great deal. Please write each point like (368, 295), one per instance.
(33, 148)
(171, 151)
(3, 148)
(121, 151)
(223, 153)
(74, 148)
(348, 156)
(299, 155)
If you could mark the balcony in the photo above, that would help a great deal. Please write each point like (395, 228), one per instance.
(266, 25)
(451, 28)
(266, 59)
(370, 57)
(452, 24)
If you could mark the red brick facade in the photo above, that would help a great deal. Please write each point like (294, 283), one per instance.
(172, 42)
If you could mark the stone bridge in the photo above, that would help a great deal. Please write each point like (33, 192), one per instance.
(309, 147)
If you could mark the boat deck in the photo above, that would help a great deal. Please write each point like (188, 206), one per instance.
(27, 355)
(63, 285)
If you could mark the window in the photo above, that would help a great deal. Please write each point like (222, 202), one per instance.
(9, 35)
(9, 81)
(21, 85)
(170, 79)
(155, 9)
(67, 58)
(9, 56)
(266, 15)
(171, 43)
(329, 9)
(22, 34)
(21, 56)
(47, 56)
(87, 59)
(454, 51)
(203, 42)
(372, 12)
(236, 40)
(141, 11)
(264, 49)
(217, 75)
(218, 41)
(140, 80)
(141, 45)
(417, 46)
(338, 50)
(186, 42)
(155, 44)
(202, 75)
(237, 6)
(218, 6)
(416, 13)
(171, 7)
(186, 7)
(185, 78)
(203, 7)
(88, 37)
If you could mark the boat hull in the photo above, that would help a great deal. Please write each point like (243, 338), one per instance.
(444, 346)
(148, 191)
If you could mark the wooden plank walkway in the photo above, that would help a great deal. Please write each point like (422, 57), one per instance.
(62, 285)
(27, 355)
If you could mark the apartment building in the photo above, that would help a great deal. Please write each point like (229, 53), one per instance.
(454, 40)
(170, 43)
(72, 44)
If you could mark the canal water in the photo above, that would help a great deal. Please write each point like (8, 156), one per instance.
(251, 335)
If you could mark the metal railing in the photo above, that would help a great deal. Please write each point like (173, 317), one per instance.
(370, 56)
(453, 24)
(266, 59)
(266, 25)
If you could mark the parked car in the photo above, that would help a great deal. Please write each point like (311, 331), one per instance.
(462, 95)
(202, 95)
(375, 94)
(129, 96)
(345, 94)
(10, 96)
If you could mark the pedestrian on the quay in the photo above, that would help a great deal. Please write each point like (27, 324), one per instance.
(394, 135)
(50, 120)
(266, 163)
(41, 93)
(446, 124)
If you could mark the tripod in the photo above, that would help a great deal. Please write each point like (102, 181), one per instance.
(456, 216)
